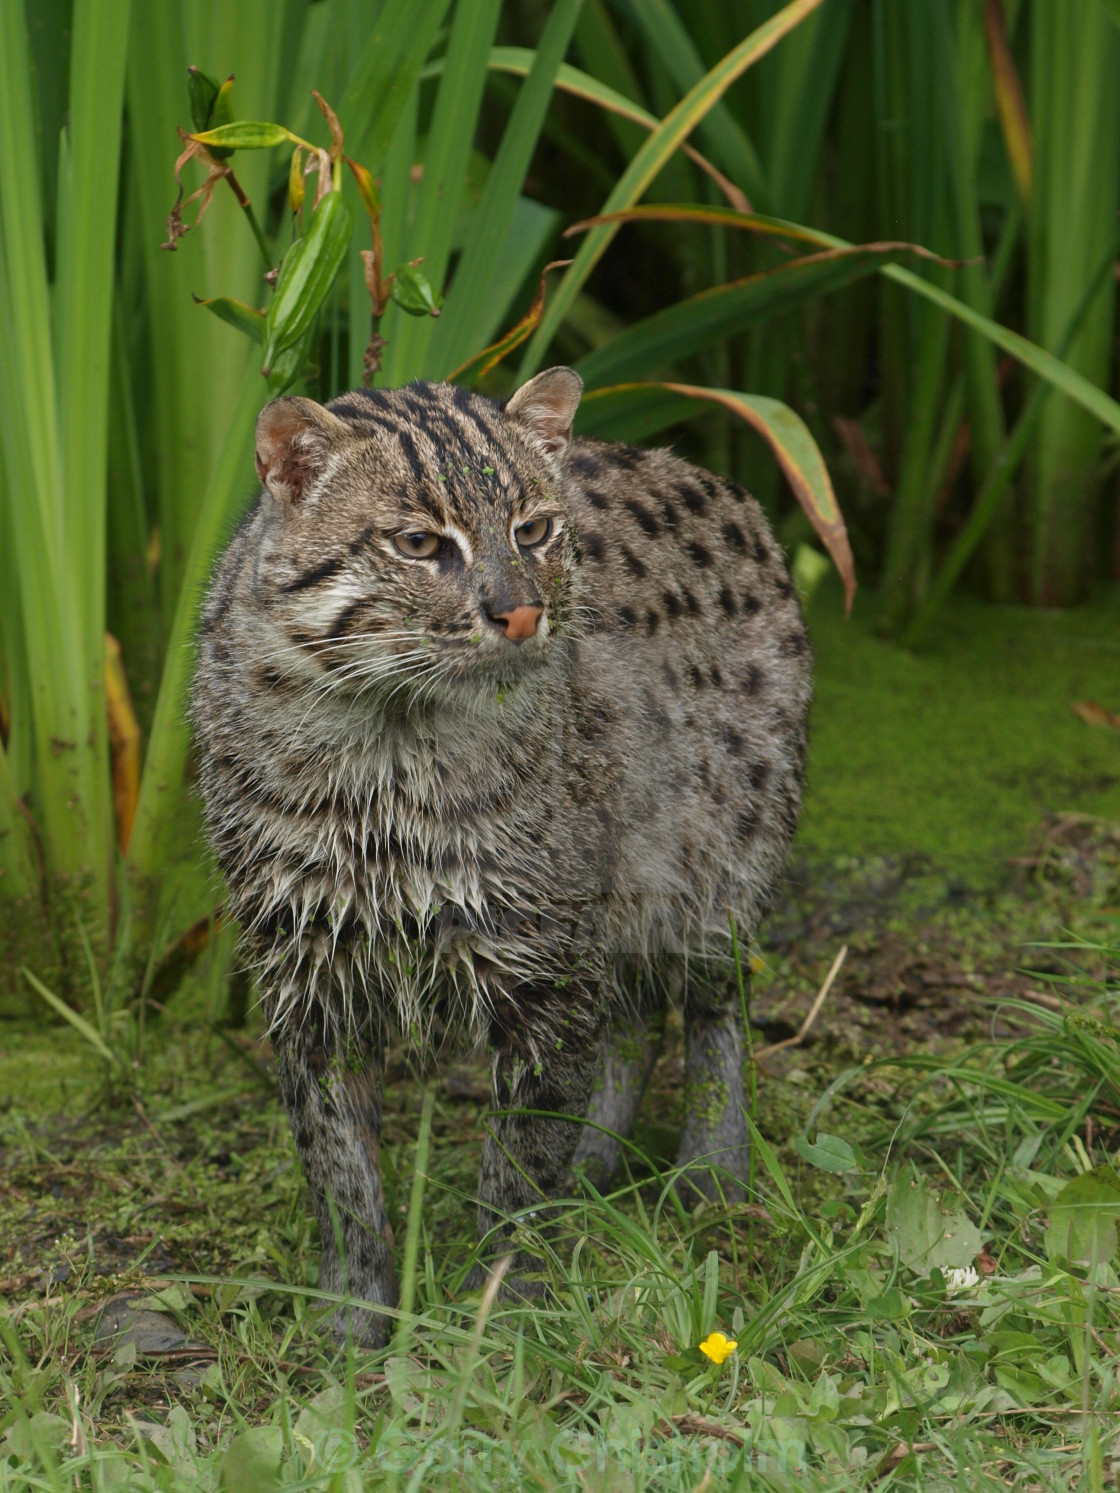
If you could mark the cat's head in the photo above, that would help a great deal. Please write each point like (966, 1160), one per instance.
(419, 538)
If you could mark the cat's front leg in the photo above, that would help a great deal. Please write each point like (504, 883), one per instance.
(332, 1092)
(543, 1070)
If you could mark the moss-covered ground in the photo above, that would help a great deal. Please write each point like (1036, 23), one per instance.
(959, 1082)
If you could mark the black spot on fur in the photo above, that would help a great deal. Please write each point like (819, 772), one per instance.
(735, 537)
(587, 464)
(746, 823)
(597, 499)
(761, 553)
(692, 498)
(734, 740)
(727, 601)
(795, 645)
(753, 680)
(593, 545)
(627, 457)
(635, 566)
(695, 677)
(757, 775)
(672, 603)
(751, 603)
(628, 615)
(691, 603)
(645, 518)
(716, 677)
(784, 587)
(672, 517)
(653, 621)
(701, 555)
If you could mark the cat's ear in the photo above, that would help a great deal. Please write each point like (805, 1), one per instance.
(547, 405)
(294, 437)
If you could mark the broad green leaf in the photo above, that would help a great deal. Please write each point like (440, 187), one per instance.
(1083, 1219)
(252, 1461)
(829, 1153)
(797, 454)
(237, 314)
(246, 134)
(307, 274)
(674, 128)
(929, 1232)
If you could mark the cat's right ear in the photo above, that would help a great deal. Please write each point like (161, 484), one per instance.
(294, 438)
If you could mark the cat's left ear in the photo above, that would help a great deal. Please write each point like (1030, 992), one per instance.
(547, 405)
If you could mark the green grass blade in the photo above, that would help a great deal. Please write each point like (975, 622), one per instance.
(78, 1022)
(466, 322)
(445, 170)
(722, 134)
(518, 62)
(169, 740)
(672, 131)
(84, 314)
(385, 74)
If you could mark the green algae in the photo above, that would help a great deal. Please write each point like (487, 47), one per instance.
(958, 753)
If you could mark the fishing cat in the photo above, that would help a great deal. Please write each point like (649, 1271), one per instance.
(496, 728)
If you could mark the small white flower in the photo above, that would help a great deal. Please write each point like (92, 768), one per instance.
(960, 1278)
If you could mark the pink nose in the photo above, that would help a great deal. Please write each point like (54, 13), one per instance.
(520, 623)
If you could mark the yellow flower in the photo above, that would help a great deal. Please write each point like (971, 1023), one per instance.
(717, 1347)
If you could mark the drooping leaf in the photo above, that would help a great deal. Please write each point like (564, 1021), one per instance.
(797, 454)
(1033, 357)
(482, 362)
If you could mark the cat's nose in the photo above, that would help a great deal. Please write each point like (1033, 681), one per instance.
(519, 623)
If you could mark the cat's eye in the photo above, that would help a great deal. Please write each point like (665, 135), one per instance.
(536, 531)
(418, 545)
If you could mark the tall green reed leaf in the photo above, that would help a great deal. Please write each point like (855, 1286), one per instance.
(653, 154)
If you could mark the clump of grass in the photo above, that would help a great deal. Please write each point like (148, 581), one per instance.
(947, 1314)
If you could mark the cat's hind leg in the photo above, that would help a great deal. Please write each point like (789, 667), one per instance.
(628, 1049)
(715, 1146)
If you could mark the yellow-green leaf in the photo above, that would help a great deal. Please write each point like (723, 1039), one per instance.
(246, 134)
